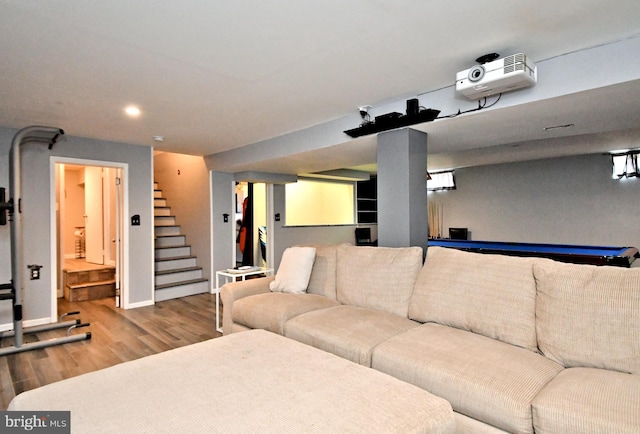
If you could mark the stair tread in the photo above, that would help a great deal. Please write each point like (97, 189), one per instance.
(172, 247)
(87, 284)
(176, 258)
(181, 283)
(178, 270)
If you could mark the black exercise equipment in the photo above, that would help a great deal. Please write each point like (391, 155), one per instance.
(13, 290)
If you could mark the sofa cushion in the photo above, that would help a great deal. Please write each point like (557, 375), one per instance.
(377, 277)
(482, 378)
(270, 311)
(347, 331)
(323, 274)
(466, 424)
(589, 316)
(294, 270)
(587, 400)
(493, 295)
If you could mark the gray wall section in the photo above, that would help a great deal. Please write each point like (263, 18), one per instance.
(184, 181)
(570, 200)
(402, 196)
(224, 234)
(36, 200)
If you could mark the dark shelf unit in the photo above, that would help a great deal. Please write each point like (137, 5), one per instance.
(390, 123)
(367, 201)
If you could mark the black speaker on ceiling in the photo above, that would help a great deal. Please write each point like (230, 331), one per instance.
(413, 106)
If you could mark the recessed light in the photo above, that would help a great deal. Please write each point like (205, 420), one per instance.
(158, 138)
(132, 111)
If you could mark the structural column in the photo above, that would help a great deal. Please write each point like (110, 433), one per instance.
(223, 228)
(402, 190)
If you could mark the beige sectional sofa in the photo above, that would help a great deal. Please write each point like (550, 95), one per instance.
(518, 345)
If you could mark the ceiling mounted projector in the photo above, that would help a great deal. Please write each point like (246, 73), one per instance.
(498, 76)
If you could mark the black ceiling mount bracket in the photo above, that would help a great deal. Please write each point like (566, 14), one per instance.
(486, 58)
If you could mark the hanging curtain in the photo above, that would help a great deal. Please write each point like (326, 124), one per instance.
(435, 219)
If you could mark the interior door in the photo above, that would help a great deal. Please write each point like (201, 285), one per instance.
(93, 215)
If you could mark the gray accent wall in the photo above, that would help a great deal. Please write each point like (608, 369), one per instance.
(36, 200)
(223, 236)
(402, 190)
(569, 200)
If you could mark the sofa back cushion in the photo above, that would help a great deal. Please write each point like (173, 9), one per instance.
(589, 316)
(492, 295)
(377, 277)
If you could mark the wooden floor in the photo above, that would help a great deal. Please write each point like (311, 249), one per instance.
(117, 336)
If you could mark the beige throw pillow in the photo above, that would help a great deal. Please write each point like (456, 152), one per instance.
(294, 270)
(323, 274)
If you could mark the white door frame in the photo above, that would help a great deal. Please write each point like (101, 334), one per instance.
(270, 220)
(124, 261)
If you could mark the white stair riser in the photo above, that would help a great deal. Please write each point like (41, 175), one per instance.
(164, 220)
(167, 230)
(171, 241)
(161, 211)
(159, 202)
(163, 279)
(181, 291)
(175, 264)
(173, 252)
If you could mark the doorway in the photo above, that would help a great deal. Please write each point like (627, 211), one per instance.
(252, 245)
(89, 226)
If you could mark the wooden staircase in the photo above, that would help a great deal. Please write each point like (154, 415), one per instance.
(177, 273)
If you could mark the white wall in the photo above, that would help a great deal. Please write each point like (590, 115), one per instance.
(570, 200)
(74, 210)
(36, 199)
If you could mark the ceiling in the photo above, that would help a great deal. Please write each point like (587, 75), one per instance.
(211, 76)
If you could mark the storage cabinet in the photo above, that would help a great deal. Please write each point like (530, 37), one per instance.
(367, 201)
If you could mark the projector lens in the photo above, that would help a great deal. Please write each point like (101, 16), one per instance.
(476, 73)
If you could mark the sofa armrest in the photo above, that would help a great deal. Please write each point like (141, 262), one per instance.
(233, 291)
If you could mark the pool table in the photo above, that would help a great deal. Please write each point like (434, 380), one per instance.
(596, 255)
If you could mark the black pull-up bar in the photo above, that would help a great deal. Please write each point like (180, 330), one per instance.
(36, 134)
